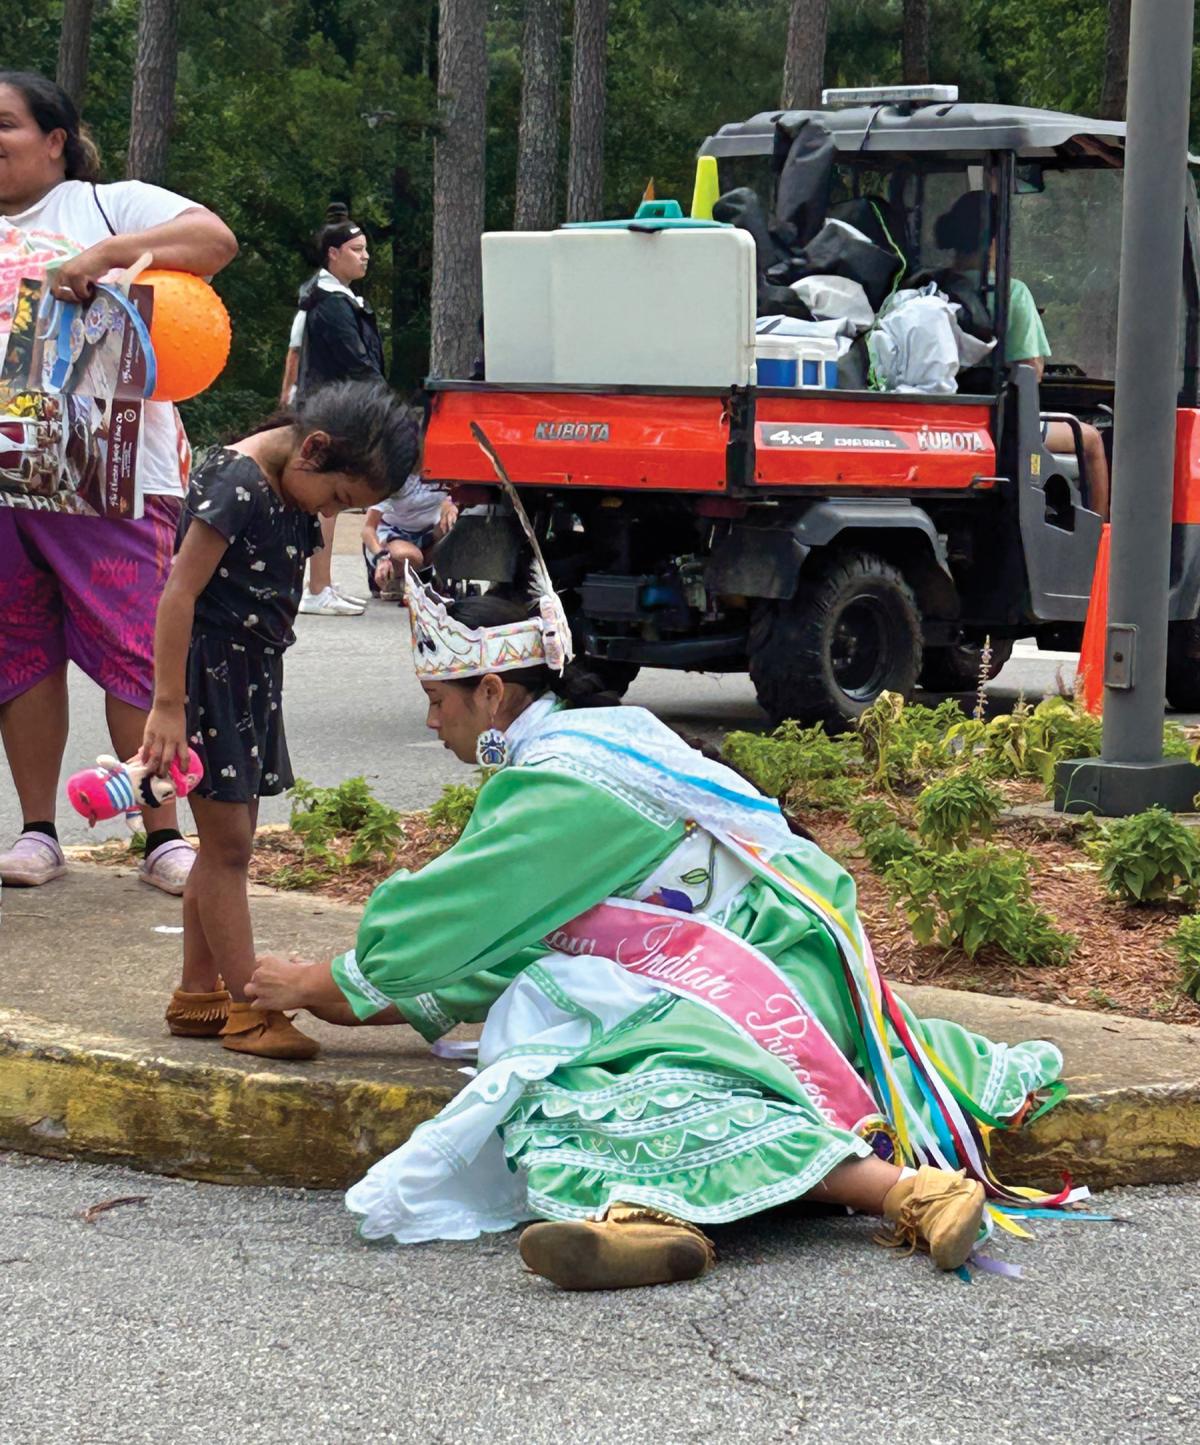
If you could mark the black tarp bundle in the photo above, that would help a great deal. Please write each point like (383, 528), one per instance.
(806, 237)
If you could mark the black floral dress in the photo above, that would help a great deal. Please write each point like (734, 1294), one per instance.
(243, 626)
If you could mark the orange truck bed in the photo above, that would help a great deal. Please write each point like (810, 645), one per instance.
(705, 442)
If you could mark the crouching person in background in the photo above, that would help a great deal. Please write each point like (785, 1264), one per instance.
(404, 528)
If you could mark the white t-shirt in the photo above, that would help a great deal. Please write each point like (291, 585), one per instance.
(414, 508)
(64, 222)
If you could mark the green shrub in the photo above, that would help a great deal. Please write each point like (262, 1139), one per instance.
(1029, 741)
(952, 809)
(803, 765)
(1184, 943)
(454, 808)
(887, 845)
(1176, 743)
(903, 743)
(322, 815)
(884, 840)
(1066, 730)
(221, 413)
(870, 814)
(1150, 857)
(976, 898)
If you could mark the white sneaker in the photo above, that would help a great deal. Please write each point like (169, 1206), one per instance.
(327, 603)
(350, 596)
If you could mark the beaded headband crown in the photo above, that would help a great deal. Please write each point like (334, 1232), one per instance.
(445, 649)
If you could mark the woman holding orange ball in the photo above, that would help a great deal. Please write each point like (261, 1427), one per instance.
(84, 588)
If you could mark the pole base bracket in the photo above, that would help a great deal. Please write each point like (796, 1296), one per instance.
(1114, 790)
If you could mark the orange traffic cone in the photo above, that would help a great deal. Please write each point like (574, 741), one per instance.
(1095, 628)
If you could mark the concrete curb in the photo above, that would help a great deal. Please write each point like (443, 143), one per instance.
(68, 1095)
(1141, 1134)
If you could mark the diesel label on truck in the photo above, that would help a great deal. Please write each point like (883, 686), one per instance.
(863, 438)
(833, 438)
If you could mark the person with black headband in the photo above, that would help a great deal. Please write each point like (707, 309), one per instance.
(337, 340)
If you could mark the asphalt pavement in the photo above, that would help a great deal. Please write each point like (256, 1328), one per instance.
(253, 1315)
(353, 707)
(237, 1315)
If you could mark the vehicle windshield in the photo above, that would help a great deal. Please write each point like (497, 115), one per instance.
(1066, 238)
(1066, 247)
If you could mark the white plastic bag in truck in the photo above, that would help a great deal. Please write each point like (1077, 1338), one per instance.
(918, 345)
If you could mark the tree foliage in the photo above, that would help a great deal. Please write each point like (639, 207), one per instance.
(284, 105)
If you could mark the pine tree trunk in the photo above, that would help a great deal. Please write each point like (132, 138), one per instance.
(804, 61)
(74, 41)
(153, 109)
(537, 138)
(1116, 61)
(456, 301)
(914, 43)
(589, 63)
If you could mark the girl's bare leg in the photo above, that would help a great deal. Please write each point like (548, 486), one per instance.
(199, 965)
(859, 1184)
(220, 938)
(401, 552)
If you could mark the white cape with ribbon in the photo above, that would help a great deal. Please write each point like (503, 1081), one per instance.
(450, 1179)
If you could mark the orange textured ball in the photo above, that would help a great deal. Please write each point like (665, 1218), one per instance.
(190, 331)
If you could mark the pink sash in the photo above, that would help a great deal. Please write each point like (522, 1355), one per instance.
(702, 961)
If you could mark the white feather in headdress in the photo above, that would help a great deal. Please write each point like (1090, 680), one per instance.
(445, 649)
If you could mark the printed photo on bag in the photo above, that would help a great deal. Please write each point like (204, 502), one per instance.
(71, 383)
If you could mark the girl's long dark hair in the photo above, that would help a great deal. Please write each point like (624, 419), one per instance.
(53, 109)
(371, 435)
(578, 686)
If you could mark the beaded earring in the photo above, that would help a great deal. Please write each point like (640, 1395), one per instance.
(491, 749)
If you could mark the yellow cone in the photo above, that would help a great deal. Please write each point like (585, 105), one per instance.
(707, 189)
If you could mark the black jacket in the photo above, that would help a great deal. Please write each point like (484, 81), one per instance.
(341, 339)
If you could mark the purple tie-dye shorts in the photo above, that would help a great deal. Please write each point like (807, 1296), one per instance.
(86, 589)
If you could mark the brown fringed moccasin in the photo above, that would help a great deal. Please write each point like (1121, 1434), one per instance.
(198, 1015)
(269, 1033)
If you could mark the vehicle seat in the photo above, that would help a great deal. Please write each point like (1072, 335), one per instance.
(1067, 463)
(1069, 466)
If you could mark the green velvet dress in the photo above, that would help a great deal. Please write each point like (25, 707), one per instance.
(648, 1097)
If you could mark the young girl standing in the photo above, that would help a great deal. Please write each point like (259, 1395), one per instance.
(249, 525)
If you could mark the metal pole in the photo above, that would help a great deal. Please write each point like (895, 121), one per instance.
(1160, 73)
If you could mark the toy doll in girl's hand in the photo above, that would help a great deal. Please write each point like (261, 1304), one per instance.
(113, 787)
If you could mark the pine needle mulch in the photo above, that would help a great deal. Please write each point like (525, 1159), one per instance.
(1119, 964)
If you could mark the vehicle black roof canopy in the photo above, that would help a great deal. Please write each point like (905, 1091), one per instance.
(952, 128)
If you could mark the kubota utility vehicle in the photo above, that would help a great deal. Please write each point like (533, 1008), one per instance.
(834, 542)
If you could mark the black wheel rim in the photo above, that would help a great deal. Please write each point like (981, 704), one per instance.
(859, 651)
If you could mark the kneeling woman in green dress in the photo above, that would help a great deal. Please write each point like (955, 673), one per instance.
(683, 1022)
